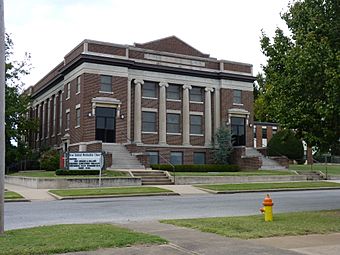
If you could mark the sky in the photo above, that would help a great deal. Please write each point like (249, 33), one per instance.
(225, 29)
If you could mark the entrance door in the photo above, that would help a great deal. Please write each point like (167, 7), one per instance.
(238, 129)
(106, 124)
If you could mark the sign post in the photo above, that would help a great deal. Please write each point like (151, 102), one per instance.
(2, 117)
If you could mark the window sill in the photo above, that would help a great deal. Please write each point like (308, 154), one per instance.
(78, 93)
(77, 126)
(151, 98)
(237, 104)
(195, 102)
(196, 135)
(149, 133)
(67, 129)
(106, 92)
(67, 98)
(174, 133)
(173, 100)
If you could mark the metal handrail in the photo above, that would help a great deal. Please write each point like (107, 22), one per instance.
(173, 167)
(167, 161)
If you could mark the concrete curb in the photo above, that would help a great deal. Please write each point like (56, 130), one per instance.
(17, 200)
(114, 196)
(265, 190)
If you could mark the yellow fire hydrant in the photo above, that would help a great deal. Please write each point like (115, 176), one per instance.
(268, 208)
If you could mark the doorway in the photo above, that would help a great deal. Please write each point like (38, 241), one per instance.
(106, 124)
(238, 130)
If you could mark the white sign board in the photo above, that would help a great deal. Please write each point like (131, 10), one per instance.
(85, 161)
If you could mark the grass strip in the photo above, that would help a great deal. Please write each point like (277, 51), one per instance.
(284, 224)
(241, 173)
(70, 238)
(12, 195)
(263, 186)
(108, 191)
(331, 169)
(51, 174)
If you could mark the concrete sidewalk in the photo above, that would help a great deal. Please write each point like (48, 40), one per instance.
(42, 194)
(184, 241)
(30, 194)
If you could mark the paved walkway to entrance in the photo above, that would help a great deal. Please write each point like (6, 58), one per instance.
(183, 189)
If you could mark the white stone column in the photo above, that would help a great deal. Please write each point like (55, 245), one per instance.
(138, 111)
(207, 115)
(128, 113)
(162, 112)
(37, 115)
(186, 115)
(43, 106)
(48, 121)
(54, 123)
(217, 110)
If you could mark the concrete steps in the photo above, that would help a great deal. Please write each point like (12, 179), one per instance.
(121, 157)
(151, 177)
(312, 175)
(267, 163)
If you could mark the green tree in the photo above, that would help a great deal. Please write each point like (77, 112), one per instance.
(262, 102)
(304, 72)
(224, 146)
(17, 105)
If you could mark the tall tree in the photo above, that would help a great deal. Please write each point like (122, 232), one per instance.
(17, 104)
(224, 146)
(303, 69)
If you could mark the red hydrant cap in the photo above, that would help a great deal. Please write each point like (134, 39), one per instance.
(268, 201)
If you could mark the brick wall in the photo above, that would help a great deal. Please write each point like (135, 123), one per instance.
(106, 49)
(247, 104)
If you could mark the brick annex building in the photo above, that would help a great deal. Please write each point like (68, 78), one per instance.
(162, 97)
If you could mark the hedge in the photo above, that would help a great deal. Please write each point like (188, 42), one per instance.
(197, 168)
(76, 172)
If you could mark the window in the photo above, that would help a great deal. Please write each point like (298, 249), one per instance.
(274, 130)
(238, 130)
(173, 123)
(237, 97)
(68, 90)
(149, 121)
(199, 158)
(149, 89)
(195, 124)
(173, 92)
(264, 132)
(196, 94)
(153, 157)
(60, 113)
(78, 117)
(106, 83)
(176, 158)
(78, 85)
(67, 120)
(254, 131)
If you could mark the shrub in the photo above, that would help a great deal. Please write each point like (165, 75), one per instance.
(224, 145)
(76, 172)
(198, 168)
(286, 143)
(49, 160)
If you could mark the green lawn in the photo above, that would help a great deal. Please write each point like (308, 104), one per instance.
(51, 174)
(331, 169)
(70, 238)
(241, 173)
(108, 191)
(12, 195)
(284, 224)
(261, 186)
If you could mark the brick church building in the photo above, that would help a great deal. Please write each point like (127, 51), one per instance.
(164, 99)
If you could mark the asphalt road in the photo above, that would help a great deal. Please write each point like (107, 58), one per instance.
(119, 210)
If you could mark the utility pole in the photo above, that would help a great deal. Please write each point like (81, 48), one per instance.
(2, 117)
